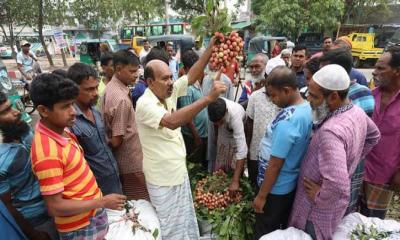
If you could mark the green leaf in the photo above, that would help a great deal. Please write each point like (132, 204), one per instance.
(155, 233)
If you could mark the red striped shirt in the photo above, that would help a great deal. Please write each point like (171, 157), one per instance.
(60, 166)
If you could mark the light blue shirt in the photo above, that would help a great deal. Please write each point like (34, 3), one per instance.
(173, 66)
(287, 137)
(26, 61)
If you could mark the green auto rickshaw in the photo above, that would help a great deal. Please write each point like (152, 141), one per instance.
(90, 50)
(264, 44)
(10, 88)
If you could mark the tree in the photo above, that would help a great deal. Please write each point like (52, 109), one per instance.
(213, 20)
(14, 13)
(295, 16)
(40, 9)
(188, 8)
(363, 11)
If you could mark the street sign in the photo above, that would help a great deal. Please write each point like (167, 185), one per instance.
(58, 36)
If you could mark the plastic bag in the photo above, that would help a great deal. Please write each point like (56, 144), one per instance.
(350, 222)
(120, 229)
(287, 234)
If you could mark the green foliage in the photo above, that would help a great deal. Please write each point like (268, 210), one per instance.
(188, 8)
(367, 11)
(294, 16)
(213, 20)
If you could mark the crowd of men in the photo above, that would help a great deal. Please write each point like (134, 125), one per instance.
(317, 144)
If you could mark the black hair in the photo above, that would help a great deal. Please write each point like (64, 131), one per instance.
(327, 37)
(339, 56)
(3, 97)
(105, 58)
(148, 73)
(125, 57)
(299, 48)
(282, 77)
(189, 58)
(342, 93)
(157, 53)
(313, 65)
(395, 56)
(60, 72)
(48, 89)
(217, 110)
(81, 71)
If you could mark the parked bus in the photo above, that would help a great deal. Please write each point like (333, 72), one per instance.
(152, 29)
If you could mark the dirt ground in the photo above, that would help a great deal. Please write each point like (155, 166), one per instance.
(44, 63)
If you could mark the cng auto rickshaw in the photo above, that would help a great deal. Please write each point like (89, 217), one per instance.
(263, 44)
(9, 87)
(181, 42)
(90, 50)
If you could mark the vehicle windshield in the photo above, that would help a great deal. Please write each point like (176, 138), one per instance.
(396, 37)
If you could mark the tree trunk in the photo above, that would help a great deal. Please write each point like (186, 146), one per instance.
(166, 17)
(64, 57)
(40, 26)
(12, 40)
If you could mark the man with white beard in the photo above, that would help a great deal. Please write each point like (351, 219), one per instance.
(257, 81)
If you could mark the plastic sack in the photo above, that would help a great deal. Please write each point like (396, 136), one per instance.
(350, 222)
(287, 234)
(120, 229)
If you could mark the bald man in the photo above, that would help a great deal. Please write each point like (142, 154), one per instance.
(164, 162)
(257, 79)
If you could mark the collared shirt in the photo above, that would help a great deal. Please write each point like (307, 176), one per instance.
(262, 111)
(26, 61)
(361, 96)
(92, 138)
(384, 159)
(60, 166)
(17, 178)
(335, 150)
(164, 161)
(119, 118)
(201, 119)
(287, 137)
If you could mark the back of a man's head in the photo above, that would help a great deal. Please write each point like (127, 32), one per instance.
(125, 57)
(281, 77)
(48, 89)
(339, 56)
(157, 53)
(105, 59)
(216, 110)
(81, 71)
(189, 58)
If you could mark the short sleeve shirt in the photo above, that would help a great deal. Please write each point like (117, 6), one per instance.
(164, 162)
(119, 118)
(25, 60)
(59, 164)
(262, 111)
(287, 137)
(17, 178)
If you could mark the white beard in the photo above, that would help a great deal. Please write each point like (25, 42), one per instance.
(320, 113)
(257, 78)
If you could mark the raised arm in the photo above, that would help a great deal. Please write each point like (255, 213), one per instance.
(197, 70)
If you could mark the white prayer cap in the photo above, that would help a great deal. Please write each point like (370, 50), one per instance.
(273, 63)
(286, 51)
(332, 77)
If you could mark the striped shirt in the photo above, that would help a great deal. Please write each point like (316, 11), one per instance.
(361, 96)
(60, 166)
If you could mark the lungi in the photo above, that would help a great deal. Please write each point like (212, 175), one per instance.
(175, 210)
(96, 230)
(375, 200)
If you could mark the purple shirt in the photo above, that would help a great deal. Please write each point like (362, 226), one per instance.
(331, 159)
(384, 159)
